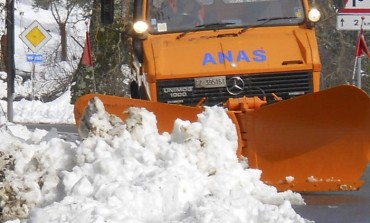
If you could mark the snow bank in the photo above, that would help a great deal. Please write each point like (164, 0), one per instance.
(128, 172)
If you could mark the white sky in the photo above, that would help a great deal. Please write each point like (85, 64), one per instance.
(128, 172)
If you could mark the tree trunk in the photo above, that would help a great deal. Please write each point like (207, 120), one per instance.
(63, 41)
(110, 53)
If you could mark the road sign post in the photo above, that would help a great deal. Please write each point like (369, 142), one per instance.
(34, 58)
(10, 52)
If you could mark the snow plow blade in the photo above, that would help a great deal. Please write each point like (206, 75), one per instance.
(166, 114)
(316, 142)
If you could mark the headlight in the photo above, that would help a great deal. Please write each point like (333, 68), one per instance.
(140, 27)
(314, 15)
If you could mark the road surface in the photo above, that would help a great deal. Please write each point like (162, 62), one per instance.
(338, 207)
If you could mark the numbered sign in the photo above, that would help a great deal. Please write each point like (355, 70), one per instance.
(35, 58)
(355, 14)
(353, 22)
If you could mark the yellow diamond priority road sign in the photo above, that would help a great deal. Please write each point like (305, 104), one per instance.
(35, 36)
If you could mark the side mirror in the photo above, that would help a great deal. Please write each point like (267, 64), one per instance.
(107, 11)
(339, 4)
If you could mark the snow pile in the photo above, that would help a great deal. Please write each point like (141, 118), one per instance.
(58, 111)
(128, 172)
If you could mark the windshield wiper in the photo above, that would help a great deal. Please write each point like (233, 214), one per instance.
(277, 18)
(215, 25)
(267, 20)
(206, 26)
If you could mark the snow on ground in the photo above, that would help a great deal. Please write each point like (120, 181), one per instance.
(25, 111)
(128, 172)
(125, 172)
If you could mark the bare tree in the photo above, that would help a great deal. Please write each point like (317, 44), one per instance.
(62, 11)
(62, 20)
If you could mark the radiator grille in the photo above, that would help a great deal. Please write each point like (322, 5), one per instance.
(285, 85)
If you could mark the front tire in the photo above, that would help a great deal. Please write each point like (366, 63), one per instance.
(134, 90)
(138, 92)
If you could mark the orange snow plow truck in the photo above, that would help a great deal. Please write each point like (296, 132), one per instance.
(260, 60)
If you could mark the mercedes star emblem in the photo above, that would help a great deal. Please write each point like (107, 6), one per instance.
(235, 86)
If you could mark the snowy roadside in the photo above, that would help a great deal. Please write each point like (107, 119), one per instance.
(128, 172)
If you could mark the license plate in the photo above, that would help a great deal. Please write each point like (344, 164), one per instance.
(210, 82)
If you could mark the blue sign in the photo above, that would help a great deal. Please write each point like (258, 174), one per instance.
(35, 58)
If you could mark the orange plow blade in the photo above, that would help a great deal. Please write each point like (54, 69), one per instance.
(166, 114)
(316, 142)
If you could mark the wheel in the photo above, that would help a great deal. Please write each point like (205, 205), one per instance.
(134, 90)
(142, 93)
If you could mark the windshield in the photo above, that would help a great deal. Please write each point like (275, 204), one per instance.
(187, 15)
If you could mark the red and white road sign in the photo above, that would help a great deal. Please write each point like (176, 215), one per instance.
(354, 16)
(356, 6)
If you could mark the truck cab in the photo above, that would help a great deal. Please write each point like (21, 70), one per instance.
(192, 51)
